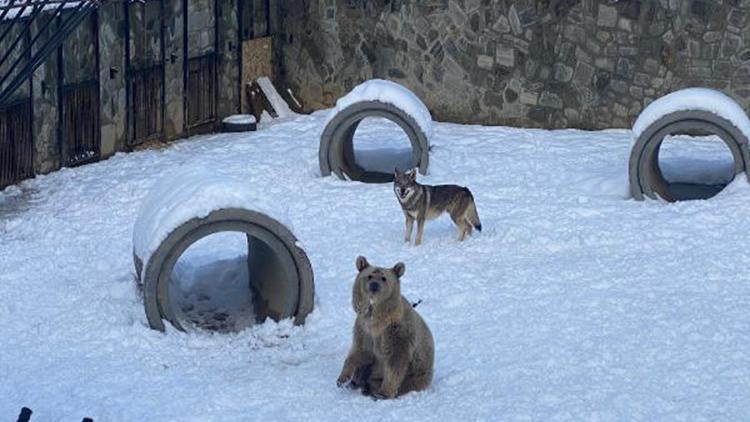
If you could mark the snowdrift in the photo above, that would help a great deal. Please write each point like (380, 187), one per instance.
(694, 111)
(193, 203)
(374, 98)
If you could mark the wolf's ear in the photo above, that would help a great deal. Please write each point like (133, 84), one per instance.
(396, 172)
(362, 263)
(399, 269)
(412, 174)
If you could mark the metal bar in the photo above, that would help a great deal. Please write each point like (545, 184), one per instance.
(162, 75)
(238, 56)
(59, 129)
(16, 4)
(252, 19)
(11, 4)
(97, 75)
(55, 42)
(36, 37)
(185, 64)
(128, 89)
(217, 53)
(27, 25)
(31, 133)
(2, 19)
(268, 17)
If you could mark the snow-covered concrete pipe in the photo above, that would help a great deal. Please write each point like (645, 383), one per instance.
(374, 98)
(692, 110)
(190, 205)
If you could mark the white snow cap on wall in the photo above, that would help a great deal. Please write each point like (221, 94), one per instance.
(700, 99)
(386, 92)
(187, 193)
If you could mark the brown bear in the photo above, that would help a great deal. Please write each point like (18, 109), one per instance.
(392, 351)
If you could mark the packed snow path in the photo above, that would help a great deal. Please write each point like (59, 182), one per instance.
(573, 304)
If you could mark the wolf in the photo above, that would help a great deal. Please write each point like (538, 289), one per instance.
(424, 202)
(392, 351)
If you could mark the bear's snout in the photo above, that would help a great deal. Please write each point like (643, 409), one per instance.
(374, 287)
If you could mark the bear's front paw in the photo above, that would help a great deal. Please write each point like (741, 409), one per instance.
(383, 394)
(344, 381)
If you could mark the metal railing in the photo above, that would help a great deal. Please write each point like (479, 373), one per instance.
(16, 143)
(80, 122)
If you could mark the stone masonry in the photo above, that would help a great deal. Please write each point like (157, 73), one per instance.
(536, 63)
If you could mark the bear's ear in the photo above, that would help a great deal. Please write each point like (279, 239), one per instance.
(399, 269)
(362, 263)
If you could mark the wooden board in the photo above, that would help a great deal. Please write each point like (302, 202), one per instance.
(257, 61)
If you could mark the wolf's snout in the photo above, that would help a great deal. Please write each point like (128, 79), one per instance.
(374, 287)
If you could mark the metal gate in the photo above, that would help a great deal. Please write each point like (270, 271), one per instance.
(201, 91)
(201, 35)
(79, 95)
(145, 70)
(146, 104)
(16, 143)
(80, 123)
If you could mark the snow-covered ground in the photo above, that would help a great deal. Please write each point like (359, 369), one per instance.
(573, 304)
(210, 285)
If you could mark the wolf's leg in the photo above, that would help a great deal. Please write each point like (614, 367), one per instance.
(469, 227)
(409, 228)
(461, 232)
(458, 220)
(420, 231)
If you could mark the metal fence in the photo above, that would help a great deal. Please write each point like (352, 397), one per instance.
(80, 123)
(146, 100)
(201, 90)
(16, 143)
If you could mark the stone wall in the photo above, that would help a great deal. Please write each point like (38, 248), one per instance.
(7, 43)
(229, 48)
(538, 63)
(174, 72)
(112, 85)
(47, 154)
(201, 28)
(79, 52)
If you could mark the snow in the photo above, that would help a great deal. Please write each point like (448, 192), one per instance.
(240, 119)
(191, 191)
(279, 105)
(265, 117)
(572, 304)
(210, 284)
(701, 99)
(386, 92)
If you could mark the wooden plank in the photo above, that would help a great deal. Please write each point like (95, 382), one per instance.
(257, 61)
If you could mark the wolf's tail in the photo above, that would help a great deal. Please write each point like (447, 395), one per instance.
(473, 217)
